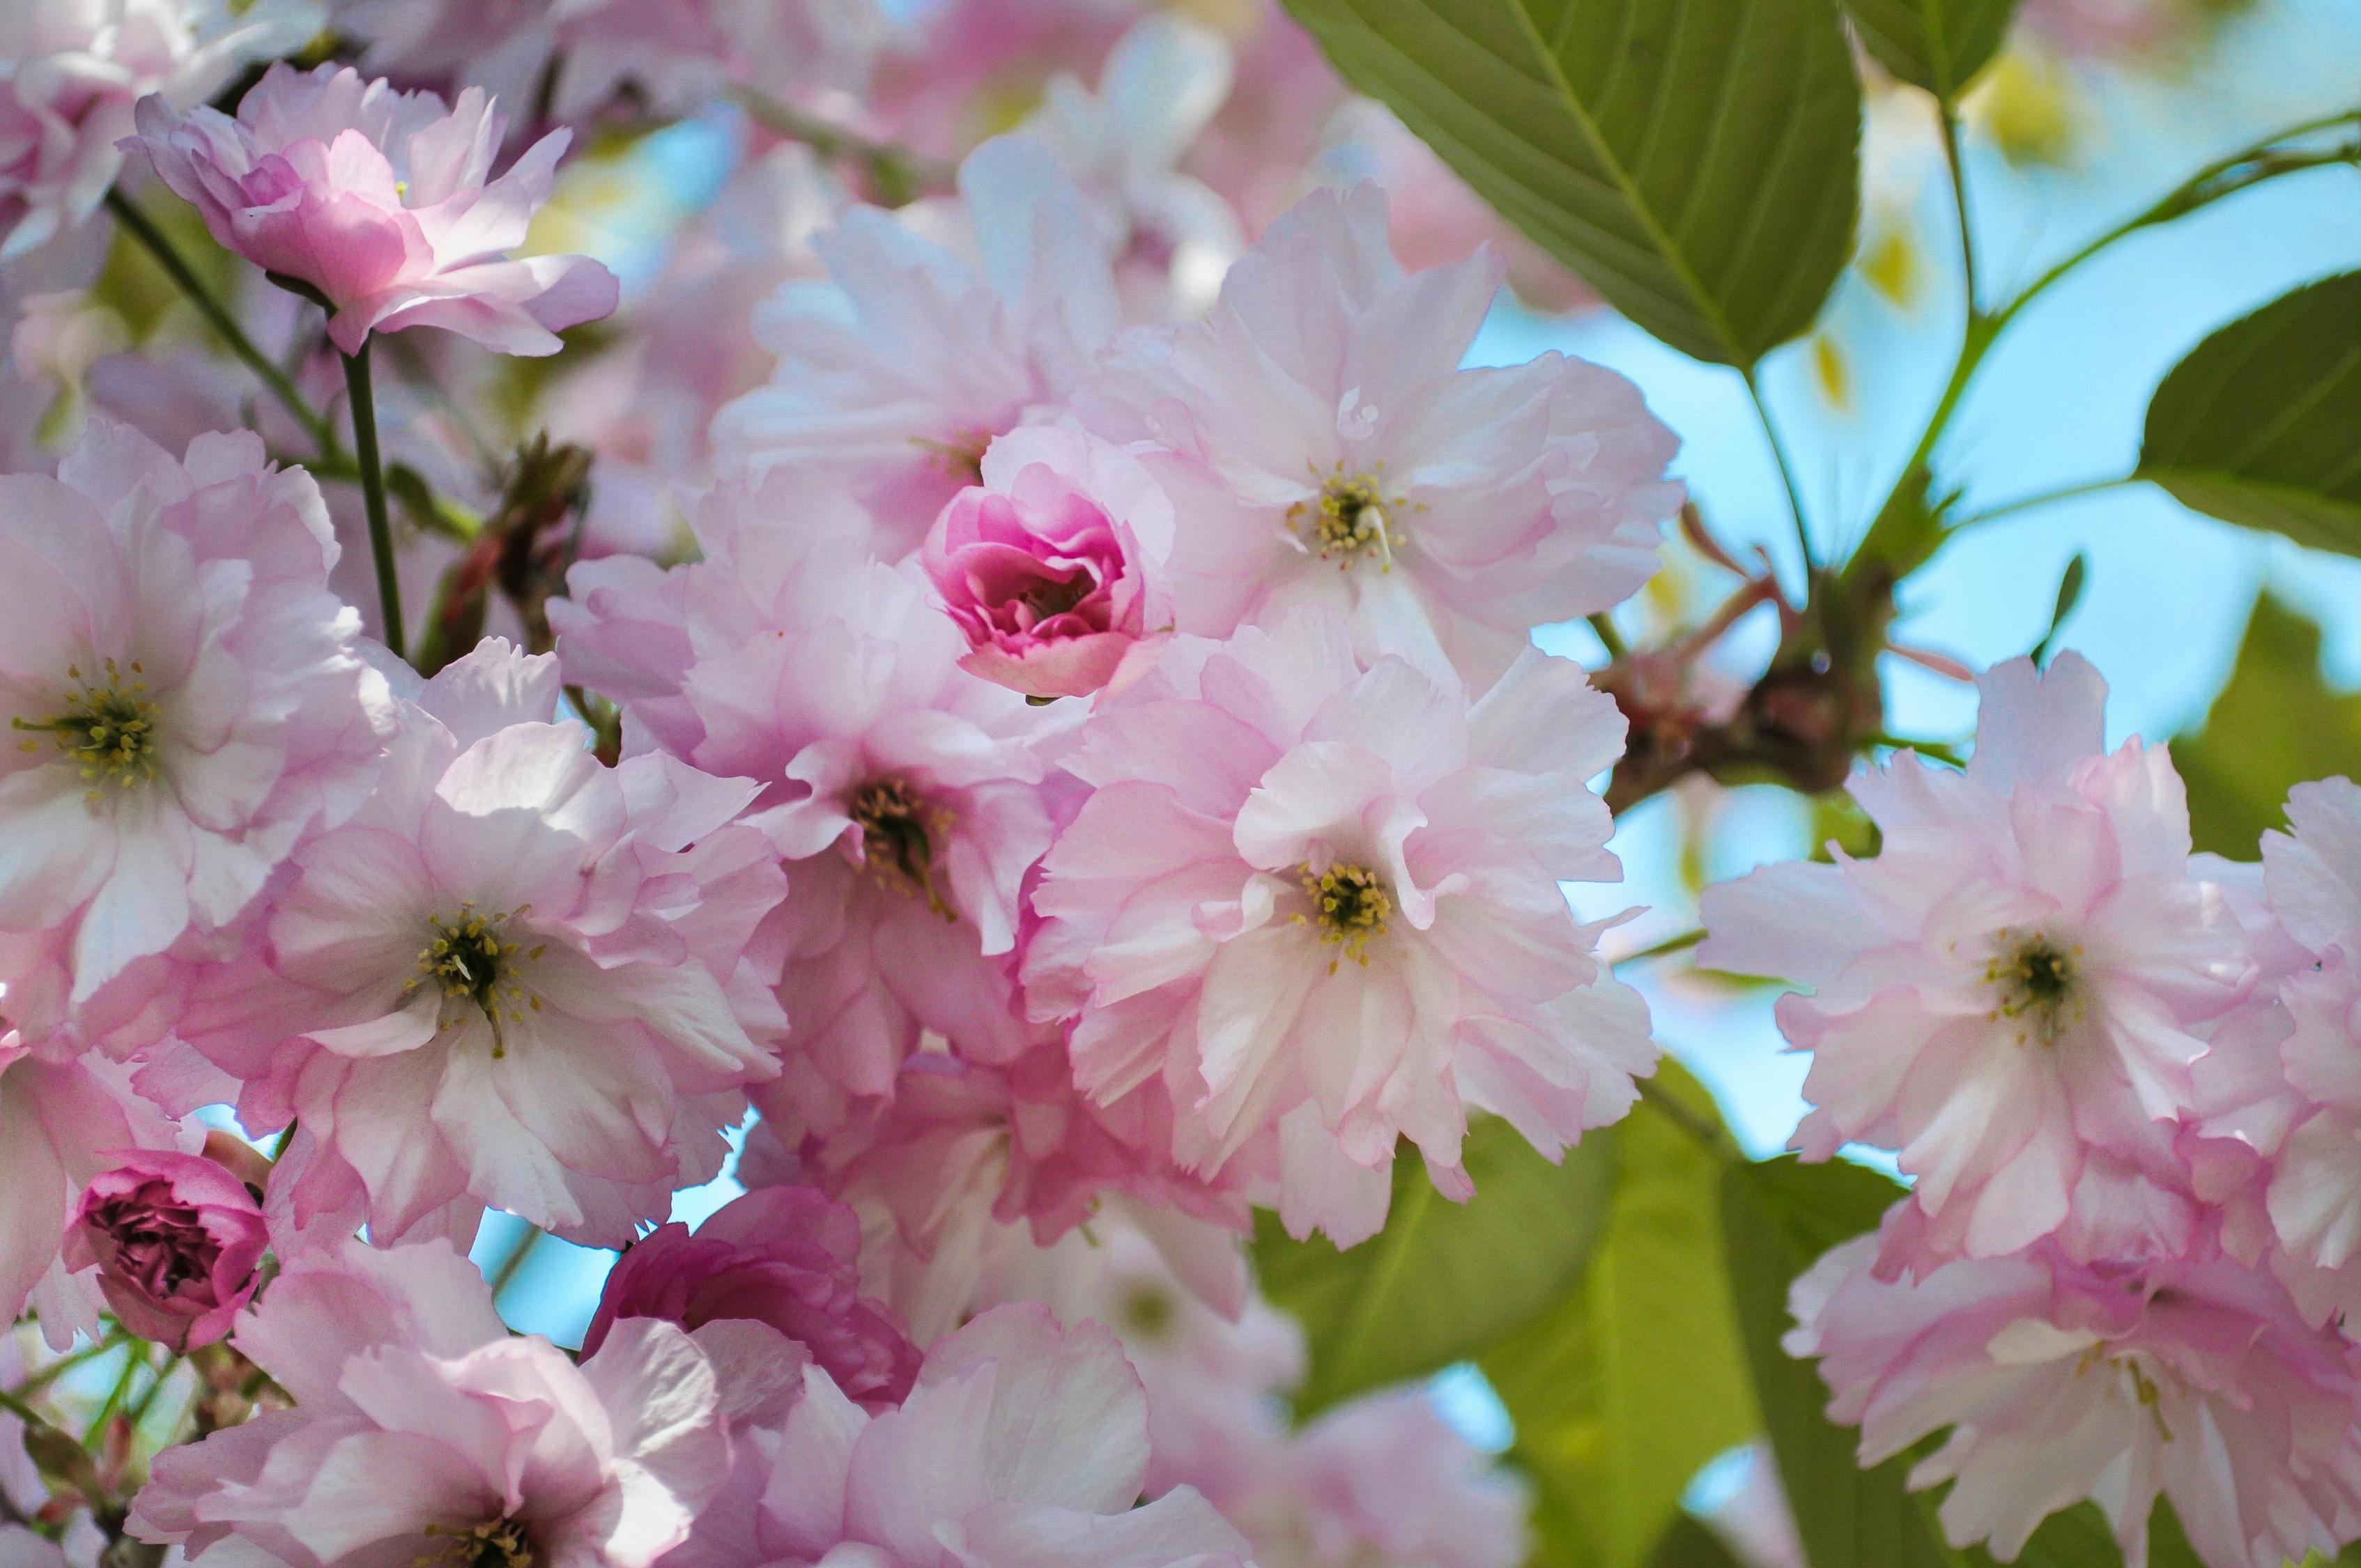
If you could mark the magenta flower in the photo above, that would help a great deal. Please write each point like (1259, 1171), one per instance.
(781, 1259)
(176, 1240)
(382, 202)
(1048, 567)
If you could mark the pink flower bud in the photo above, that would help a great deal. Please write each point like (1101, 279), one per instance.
(176, 1240)
(785, 1256)
(1047, 565)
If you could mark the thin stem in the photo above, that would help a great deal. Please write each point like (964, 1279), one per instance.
(2046, 498)
(135, 1357)
(65, 1363)
(899, 172)
(1710, 1135)
(142, 228)
(364, 409)
(1786, 468)
(510, 1265)
(1664, 948)
(2250, 165)
(1609, 637)
(1950, 117)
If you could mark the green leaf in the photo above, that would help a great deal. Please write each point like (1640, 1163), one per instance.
(1442, 1280)
(2276, 724)
(1693, 159)
(1632, 1382)
(1777, 1218)
(2256, 426)
(1935, 44)
(2070, 594)
(1689, 1545)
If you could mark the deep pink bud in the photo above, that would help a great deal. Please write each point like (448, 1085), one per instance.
(1047, 566)
(785, 1256)
(177, 1240)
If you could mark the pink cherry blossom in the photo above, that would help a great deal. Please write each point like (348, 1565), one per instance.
(1319, 436)
(177, 1241)
(514, 977)
(962, 1153)
(2060, 1381)
(1320, 897)
(1051, 567)
(895, 377)
(1022, 1446)
(781, 1259)
(422, 1433)
(596, 54)
(185, 691)
(2009, 990)
(383, 203)
(903, 793)
(71, 72)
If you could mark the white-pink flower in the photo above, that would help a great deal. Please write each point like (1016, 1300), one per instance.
(904, 792)
(1319, 896)
(183, 691)
(939, 331)
(1023, 1446)
(423, 1432)
(2018, 980)
(71, 72)
(1322, 444)
(514, 978)
(382, 202)
(2061, 1381)
(1052, 567)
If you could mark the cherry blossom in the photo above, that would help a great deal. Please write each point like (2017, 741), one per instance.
(177, 1241)
(71, 72)
(186, 695)
(514, 977)
(383, 203)
(1322, 444)
(1293, 894)
(2010, 988)
(422, 1431)
(2062, 1381)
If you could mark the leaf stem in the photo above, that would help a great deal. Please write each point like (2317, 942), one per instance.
(364, 410)
(1664, 948)
(898, 172)
(1950, 114)
(1787, 467)
(2250, 165)
(2046, 498)
(142, 228)
(513, 1262)
(1609, 637)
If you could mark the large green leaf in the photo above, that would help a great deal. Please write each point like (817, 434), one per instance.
(1937, 44)
(1776, 1219)
(1442, 1280)
(1632, 1382)
(1694, 160)
(2257, 425)
(1688, 1544)
(2275, 724)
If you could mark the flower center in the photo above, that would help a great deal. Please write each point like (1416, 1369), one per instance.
(897, 841)
(1352, 518)
(1056, 595)
(475, 968)
(2131, 1370)
(495, 1543)
(962, 457)
(1350, 905)
(109, 730)
(2033, 979)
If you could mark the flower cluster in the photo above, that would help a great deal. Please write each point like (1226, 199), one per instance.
(2119, 1075)
(1035, 754)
